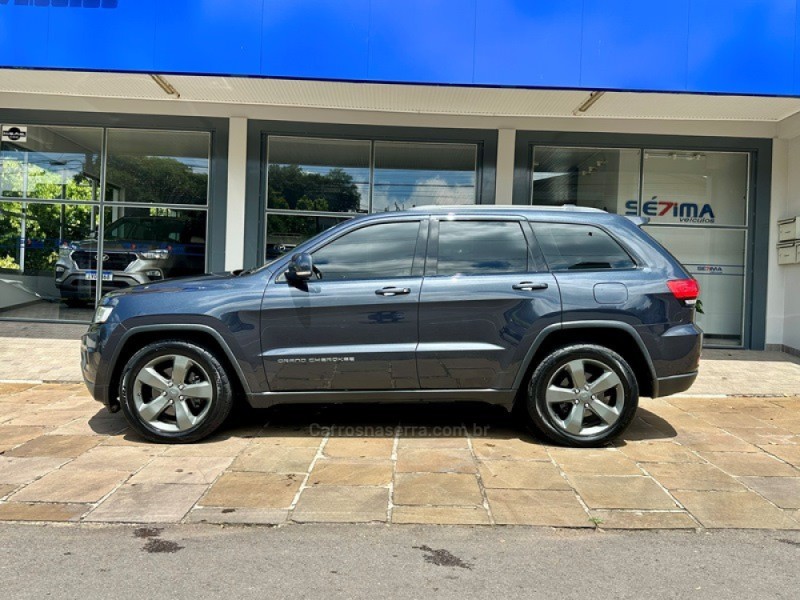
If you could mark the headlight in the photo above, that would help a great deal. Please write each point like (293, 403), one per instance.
(155, 254)
(102, 313)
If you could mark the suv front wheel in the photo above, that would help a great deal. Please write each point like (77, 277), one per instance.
(175, 391)
(582, 395)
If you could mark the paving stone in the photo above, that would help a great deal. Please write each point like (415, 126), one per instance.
(700, 477)
(432, 442)
(659, 452)
(24, 470)
(115, 458)
(636, 493)
(765, 435)
(276, 438)
(622, 519)
(253, 490)
(275, 459)
(215, 446)
(509, 449)
(783, 491)
(441, 515)
(350, 472)
(749, 464)
(6, 489)
(531, 475)
(438, 489)
(148, 503)
(713, 441)
(180, 469)
(359, 448)
(23, 511)
(594, 462)
(789, 453)
(435, 460)
(537, 507)
(71, 486)
(11, 435)
(68, 446)
(6, 389)
(108, 424)
(348, 504)
(745, 510)
(245, 516)
(46, 418)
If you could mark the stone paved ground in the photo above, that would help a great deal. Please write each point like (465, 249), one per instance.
(685, 463)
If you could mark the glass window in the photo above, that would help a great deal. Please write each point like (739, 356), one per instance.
(569, 247)
(54, 163)
(37, 273)
(380, 251)
(604, 178)
(150, 244)
(158, 167)
(286, 232)
(316, 174)
(695, 188)
(481, 248)
(409, 174)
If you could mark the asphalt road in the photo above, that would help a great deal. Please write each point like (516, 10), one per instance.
(348, 561)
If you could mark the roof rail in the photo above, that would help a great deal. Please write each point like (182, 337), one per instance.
(564, 207)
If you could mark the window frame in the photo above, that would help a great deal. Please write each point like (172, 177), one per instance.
(637, 262)
(535, 264)
(417, 264)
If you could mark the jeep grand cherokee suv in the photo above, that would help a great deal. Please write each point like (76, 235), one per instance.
(135, 250)
(565, 316)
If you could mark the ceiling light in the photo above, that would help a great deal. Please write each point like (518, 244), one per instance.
(588, 103)
(165, 85)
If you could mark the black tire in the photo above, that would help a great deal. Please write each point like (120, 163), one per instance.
(540, 418)
(221, 401)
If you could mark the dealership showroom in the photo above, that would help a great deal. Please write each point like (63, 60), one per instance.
(229, 137)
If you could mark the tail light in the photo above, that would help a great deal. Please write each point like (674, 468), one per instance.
(684, 289)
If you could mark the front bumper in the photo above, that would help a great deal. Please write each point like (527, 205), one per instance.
(95, 364)
(76, 286)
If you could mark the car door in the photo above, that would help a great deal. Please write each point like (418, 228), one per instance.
(485, 297)
(356, 327)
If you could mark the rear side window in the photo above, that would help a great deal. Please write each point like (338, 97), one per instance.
(572, 247)
(382, 251)
(481, 248)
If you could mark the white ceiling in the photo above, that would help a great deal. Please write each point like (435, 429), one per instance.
(436, 100)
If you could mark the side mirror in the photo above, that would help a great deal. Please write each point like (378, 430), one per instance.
(301, 267)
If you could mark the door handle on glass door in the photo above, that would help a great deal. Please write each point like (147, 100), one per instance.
(392, 291)
(529, 286)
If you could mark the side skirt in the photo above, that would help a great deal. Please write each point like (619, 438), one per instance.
(503, 398)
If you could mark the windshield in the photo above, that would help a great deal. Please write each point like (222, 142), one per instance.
(148, 229)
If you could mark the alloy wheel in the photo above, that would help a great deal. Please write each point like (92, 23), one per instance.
(172, 393)
(585, 397)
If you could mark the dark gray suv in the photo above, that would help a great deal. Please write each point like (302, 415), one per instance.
(563, 315)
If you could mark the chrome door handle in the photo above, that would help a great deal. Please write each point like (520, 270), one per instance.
(392, 291)
(529, 286)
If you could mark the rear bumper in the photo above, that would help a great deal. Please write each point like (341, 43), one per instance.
(666, 386)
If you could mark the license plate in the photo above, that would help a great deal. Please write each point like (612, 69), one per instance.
(92, 276)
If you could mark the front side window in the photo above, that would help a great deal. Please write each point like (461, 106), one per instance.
(481, 248)
(573, 247)
(382, 251)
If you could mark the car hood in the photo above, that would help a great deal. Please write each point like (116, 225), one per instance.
(207, 282)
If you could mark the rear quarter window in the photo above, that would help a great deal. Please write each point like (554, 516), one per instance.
(574, 247)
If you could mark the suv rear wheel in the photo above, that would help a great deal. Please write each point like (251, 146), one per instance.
(582, 395)
(175, 391)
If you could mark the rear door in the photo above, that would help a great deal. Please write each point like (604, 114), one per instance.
(485, 297)
(356, 327)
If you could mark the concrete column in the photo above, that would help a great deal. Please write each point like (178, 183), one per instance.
(237, 168)
(504, 184)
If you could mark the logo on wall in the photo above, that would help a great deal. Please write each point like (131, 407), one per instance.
(684, 212)
(14, 133)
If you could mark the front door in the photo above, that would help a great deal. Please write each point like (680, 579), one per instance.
(485, 297)
(356, 327)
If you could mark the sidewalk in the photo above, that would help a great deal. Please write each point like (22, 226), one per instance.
(685, 463)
